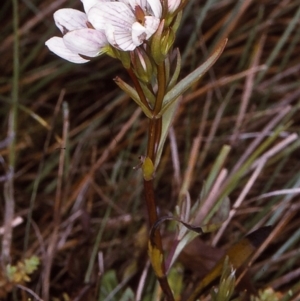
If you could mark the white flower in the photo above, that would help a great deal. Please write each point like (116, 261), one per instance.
(78, 38)
(124, 24)
(127, 23)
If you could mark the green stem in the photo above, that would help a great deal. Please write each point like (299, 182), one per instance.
(161, 81)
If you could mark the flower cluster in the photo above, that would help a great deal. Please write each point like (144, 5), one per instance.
(107, 26)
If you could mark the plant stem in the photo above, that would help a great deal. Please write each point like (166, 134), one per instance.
(154, 135)
(138, 88)
(161, 81)
(152, 213)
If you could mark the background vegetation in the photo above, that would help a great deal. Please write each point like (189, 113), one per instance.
(70, 139)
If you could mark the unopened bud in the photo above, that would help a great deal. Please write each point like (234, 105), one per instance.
(142, 65)
(156, 50)
(167, 41)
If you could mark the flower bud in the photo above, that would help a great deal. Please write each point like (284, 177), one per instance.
(156, 52)
(161, 43)
(167, 41)
(142, 65)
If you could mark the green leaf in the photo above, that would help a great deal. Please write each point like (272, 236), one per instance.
(31, 264)
(193, 77)
(175, 75)
(128, 295)
(175, 278)
(131, 92)
(148, 93)
(217, 166)
(108, 283)
(167, 119)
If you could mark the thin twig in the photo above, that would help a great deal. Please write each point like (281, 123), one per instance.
(56, 211)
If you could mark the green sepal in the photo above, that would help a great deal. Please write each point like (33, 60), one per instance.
(176, 21)
(124, 57)
(156, 52)
(167, 41)
(112, 52)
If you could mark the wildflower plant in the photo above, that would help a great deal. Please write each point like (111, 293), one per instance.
(140, 34)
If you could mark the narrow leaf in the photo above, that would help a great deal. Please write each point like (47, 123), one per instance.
(167, 119)
(193, 77)
(176, 72)
(131, 92)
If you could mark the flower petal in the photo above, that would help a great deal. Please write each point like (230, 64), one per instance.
(139, 33)
(87, 4)
(134, 3)
(68, 19)
(116, 14)
(57, 45)
(152, 7)
(120, 39)
(173, 5)
(86, 41)
(151, 25)
(155, 7)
